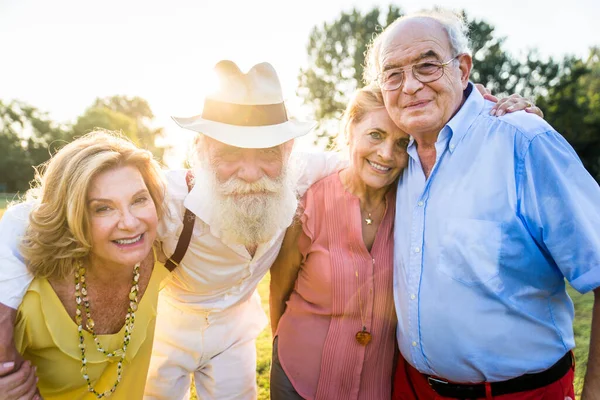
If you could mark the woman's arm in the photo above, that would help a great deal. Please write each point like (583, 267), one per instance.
(284, 273)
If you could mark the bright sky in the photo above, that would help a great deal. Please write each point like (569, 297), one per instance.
(60, 55)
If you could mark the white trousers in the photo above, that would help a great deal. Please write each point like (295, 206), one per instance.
(218, 348)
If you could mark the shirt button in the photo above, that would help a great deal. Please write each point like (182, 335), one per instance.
(412, 297)
(452, 147)
(420, 204)
(414, 344)
(417, 250)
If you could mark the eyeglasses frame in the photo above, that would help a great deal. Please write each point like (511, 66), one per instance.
(442, 67)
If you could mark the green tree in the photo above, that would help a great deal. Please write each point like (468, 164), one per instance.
(501, 72)
(572, 107)
(130, 115)
(27, 138)
(336, 61)
(14, 166)
(336, 53)
(99, 117)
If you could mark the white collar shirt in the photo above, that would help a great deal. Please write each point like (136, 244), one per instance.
(213, 275)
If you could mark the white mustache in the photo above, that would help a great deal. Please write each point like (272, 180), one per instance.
(236, 186)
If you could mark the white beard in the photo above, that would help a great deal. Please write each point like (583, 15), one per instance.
(249, 213)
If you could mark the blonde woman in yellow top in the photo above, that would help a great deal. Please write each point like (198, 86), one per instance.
(87, 320)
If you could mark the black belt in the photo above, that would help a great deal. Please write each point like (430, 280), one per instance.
(518, 384)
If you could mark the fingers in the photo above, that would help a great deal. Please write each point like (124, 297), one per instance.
(19, 383)
(29, 387)
(6, 368)
(535, 110)
(482, 89)
(511, 104)
(490, 97)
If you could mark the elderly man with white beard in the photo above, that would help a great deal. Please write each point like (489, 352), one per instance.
(244, 197)
(224, 227)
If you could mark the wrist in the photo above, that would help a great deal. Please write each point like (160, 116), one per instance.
(7, 327)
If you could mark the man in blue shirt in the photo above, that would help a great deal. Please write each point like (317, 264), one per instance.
(493, 214)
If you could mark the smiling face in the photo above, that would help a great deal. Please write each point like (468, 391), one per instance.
(122, 215)
(423, 109)
(377, 149)
(251, 192)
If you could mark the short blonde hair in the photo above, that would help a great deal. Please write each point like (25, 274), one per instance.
(58, 236)
(362, 102)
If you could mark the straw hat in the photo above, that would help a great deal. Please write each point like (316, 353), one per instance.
(247, 110)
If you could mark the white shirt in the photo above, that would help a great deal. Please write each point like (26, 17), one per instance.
(212, 275)
(14, 277)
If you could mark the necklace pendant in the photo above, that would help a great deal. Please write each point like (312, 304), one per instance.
(368, 220)
(363, 337)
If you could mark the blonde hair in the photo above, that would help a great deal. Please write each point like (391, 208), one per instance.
(362, 102)
(58, 236)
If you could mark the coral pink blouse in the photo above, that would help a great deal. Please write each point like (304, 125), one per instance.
(338, 281)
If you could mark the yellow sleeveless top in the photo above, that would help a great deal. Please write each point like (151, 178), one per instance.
(46, 335)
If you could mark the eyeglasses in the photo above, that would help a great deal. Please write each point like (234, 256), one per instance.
(424, 72)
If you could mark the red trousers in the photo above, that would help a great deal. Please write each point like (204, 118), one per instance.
(410, 384)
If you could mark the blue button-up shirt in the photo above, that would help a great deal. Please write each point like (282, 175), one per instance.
(483, 247)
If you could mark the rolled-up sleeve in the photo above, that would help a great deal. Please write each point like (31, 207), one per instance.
(14, 276)
(560, 203)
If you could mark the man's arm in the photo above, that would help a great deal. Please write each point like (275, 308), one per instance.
(559, 203)
(314, 166)
(14, 279)
(17, 378)
(14, 276)
(8, 352)
(19, 384)
(284, 273)
(591, 384)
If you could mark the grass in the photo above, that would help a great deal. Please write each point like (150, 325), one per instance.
(583, 315)
(264, 346)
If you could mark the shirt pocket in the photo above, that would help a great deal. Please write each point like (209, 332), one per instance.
(470, 250)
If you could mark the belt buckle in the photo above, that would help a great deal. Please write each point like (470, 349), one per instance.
(431, 381)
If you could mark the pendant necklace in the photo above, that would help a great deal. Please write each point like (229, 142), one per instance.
(369, 219)
(363, 336)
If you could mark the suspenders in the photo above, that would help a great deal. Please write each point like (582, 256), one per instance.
(186, 233)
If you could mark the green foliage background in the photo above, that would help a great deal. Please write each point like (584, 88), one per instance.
(28, 137)
(567, 90)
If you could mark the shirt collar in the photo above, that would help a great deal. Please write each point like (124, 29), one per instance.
(464, 118)
(458, 126)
